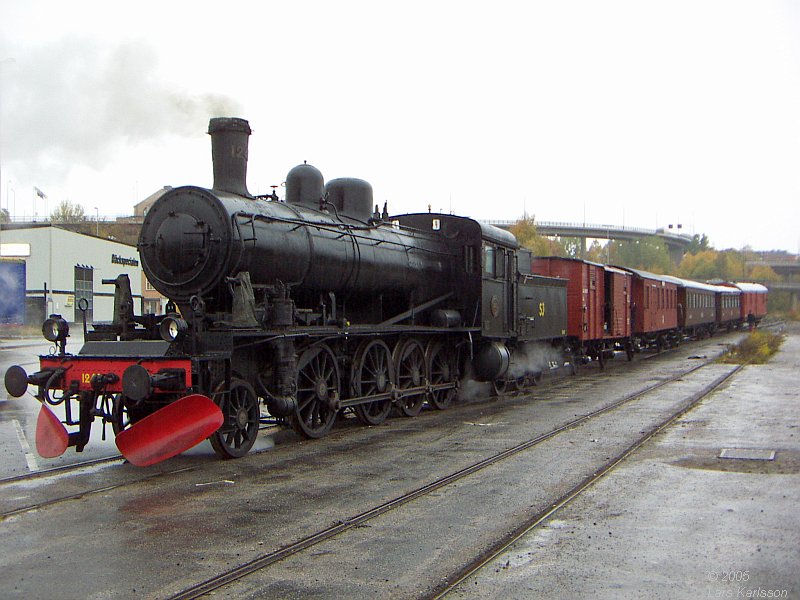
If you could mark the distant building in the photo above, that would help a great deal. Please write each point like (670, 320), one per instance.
(63, 266)
(140, 209)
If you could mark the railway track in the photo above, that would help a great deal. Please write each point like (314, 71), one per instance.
(567, 384)
(479, 439)
(317, 538)
(62, 470)
(75, 468)
(540, 517)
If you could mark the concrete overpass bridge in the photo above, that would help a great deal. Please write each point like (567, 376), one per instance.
(781, 267)
(793, 287)
(677, 243)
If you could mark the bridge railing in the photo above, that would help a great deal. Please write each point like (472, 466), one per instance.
(594, 227)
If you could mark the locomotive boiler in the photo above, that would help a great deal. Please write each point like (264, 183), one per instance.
(311, 306)
(325, 239)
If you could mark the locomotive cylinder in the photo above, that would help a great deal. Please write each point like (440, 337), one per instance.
(491, 361)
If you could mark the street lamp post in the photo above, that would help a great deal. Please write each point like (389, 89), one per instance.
(5, 61)
(97, 220)
(9, 189)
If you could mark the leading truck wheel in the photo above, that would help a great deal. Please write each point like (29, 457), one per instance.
(124, 413)
(242, 416)
(318, 392)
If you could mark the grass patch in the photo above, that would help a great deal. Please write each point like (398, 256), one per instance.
(757, 348)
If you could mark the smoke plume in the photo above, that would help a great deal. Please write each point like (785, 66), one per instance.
(73, 101)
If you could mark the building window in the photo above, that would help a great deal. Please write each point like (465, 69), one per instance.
(152, 307)
(84, 289)
(148, 286)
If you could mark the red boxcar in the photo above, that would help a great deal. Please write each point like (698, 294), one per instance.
(753, 301)
(654, 308)
(598, 304)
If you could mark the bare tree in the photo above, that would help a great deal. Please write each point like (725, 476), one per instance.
(67, 212)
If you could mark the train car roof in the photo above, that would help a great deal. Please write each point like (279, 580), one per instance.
(619, 270)
(573, 259)
(707, 287)
(497, 235)
(487, 232)
(649, 275)
(751, 287)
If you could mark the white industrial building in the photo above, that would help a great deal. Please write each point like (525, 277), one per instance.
(63, 267)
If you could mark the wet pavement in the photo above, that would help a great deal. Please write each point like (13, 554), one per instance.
(675, 520)
(127, 532)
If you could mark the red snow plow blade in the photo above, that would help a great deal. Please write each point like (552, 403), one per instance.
(52, 438)
(170, 430)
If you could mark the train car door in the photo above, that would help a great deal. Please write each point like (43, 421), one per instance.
(497, 294)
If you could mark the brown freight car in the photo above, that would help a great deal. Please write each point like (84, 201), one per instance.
(753, 302)
(598, 306)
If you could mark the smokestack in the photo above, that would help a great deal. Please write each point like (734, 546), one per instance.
(229, 154)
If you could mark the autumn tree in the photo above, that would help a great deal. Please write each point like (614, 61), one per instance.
(597, 252)
(727, 265)
(527, 236)
(647, 253)
(569, 247)
(763, 273)
(730, 265)
(699, 243)
(700, 266)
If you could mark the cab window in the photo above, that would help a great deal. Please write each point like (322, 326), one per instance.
(488, 261)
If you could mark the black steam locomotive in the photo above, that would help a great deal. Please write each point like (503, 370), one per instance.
(310, 306)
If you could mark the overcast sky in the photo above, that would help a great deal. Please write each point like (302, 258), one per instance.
(637, 113)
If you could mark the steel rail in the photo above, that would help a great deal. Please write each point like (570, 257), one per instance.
(81, 494)
(61, 469)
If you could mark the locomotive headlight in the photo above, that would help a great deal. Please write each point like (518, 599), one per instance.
(55, 329)
(172, 328)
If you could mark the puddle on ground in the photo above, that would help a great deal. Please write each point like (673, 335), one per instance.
(786, 462)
